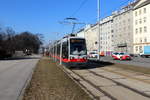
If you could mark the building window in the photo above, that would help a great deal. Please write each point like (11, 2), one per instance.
(140, 12)
(136, 48)
(140, 49)
(144, 10)
(140, 29)
(141, 40)
(136, 22)
(140, 21)
(145, 29)
(136, 30)
(144, 19)
(128, 20)
(145, 40)
(136, 13)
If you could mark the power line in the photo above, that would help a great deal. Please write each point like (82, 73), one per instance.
(111, 10)
(81, 5)
(76, 11)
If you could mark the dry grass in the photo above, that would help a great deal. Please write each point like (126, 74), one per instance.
(51, 83)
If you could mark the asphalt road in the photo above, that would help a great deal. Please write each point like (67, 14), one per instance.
(137, 61)
(13, 76)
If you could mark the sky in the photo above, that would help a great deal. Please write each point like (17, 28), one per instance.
(44, 16)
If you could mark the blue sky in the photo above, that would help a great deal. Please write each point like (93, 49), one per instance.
(43, 16)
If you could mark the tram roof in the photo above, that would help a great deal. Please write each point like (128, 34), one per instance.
(66, 38)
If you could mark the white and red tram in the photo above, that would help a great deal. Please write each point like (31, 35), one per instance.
(70, 50)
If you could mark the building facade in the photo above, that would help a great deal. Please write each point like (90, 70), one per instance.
(91, 36)
(141, 26)
(123, 29)
(81, 33)
(126, 30)
(106, 35)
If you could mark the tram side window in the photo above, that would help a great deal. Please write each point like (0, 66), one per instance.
(58, 49)
(65, 50)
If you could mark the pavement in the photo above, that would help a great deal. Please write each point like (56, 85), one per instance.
(14, 75)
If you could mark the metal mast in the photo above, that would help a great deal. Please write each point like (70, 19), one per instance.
(98, 22)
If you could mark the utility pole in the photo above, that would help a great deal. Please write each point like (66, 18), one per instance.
(98, 21)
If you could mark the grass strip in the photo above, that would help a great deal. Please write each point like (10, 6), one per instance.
(50, 83)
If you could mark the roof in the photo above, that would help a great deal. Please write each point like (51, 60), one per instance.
(143, 4)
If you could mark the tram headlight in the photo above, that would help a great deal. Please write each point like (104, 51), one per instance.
(71, 57)
(84, 57)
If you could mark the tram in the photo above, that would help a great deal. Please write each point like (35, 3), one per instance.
(71, 50)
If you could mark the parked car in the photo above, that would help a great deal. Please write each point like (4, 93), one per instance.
(102, 54)
(93, 54)
(121, 56)
(146, 52)
(134, 55)
(115, 55)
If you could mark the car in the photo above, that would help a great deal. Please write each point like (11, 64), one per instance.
(121, 56)
(93, 54)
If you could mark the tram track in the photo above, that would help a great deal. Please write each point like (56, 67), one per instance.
(77, 81)
(111, 97)
(123, 85)
(93, 96)
(128, 76)
(79, 78)
(117, 84)
(105, 93)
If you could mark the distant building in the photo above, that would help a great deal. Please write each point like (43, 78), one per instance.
(141, 25)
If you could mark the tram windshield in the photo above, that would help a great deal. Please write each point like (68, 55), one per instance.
(78, 47)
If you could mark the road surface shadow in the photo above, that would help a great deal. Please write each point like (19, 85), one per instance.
(91, 64)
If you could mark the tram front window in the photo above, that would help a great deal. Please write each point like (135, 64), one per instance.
(77, 47)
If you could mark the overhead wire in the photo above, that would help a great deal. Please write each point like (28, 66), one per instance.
(111, 10)
(79, 8)
(107, 13)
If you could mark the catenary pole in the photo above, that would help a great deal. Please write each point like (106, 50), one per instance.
(98, 22)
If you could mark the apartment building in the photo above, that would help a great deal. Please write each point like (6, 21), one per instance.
(123, 29)
(80, 33)
(126, 30)
(141, 25)
(106, 35)
(91, 36)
